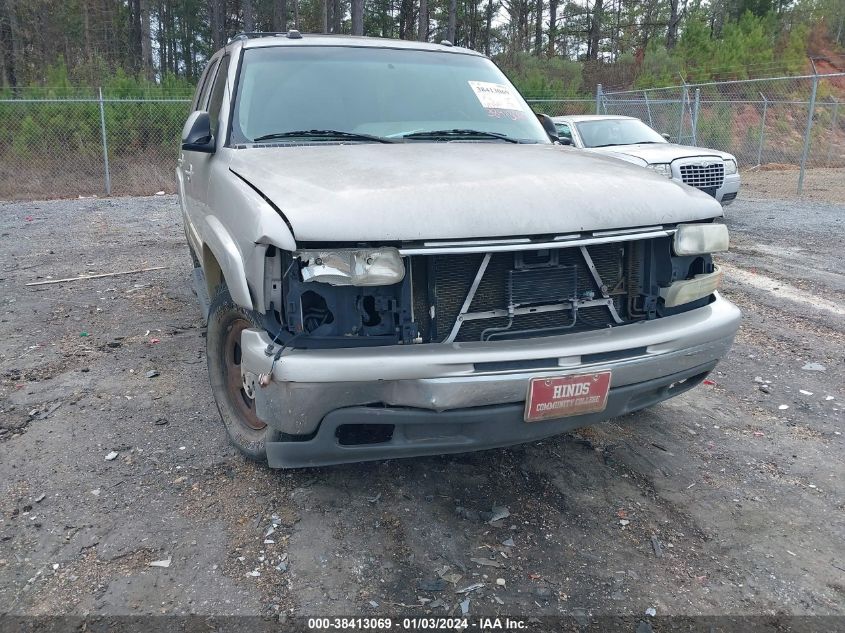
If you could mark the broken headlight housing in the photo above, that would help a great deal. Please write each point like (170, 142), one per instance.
(700, 239)
(353, 267)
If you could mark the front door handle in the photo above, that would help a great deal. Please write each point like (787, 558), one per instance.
(188, 172)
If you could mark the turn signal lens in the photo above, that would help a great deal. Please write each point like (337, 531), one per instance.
(689, 290)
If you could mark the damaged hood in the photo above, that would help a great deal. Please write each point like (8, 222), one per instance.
(417, 191)
(651, 153)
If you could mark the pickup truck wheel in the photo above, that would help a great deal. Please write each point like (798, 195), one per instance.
(226, 321)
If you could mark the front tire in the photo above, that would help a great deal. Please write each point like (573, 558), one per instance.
(245, 429)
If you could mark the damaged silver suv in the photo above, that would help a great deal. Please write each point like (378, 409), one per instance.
(396, 259)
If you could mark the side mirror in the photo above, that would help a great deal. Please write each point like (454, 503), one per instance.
(564, 140)
(549, 126)
(666, 136)
(196, 135)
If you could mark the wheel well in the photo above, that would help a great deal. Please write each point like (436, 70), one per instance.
(211, 269)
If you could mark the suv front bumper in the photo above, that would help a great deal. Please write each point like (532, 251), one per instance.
(728, 191)
(456, 397)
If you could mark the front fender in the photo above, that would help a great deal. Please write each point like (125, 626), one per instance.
(254, 224)
(228, 256)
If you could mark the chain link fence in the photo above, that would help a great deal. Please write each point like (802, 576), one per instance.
(789, 124)
(561, 107)
(88, 145)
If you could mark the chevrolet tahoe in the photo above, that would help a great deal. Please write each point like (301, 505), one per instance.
(396, 258)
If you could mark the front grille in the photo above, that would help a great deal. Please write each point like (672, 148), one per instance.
(443, 282)
(703, 175)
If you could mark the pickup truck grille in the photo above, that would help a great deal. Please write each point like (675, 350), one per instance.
(541, 284)
(707, 175)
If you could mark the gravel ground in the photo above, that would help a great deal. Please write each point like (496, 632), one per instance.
(820, 184)
(721, 501)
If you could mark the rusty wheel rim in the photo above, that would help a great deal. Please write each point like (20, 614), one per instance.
(244, 405)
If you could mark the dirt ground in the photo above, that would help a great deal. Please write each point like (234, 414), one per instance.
(727, 500)
(822, 184)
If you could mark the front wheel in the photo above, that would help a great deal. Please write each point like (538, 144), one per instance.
(226, 321)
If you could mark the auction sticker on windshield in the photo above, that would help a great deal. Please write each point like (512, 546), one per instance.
(562, 396)
(495, 96)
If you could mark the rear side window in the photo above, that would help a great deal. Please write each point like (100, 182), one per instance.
(216, 102)
(205, 86)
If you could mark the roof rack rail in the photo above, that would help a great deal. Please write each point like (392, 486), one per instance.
(292, 34)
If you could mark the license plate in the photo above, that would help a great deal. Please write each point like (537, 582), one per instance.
(563, 396)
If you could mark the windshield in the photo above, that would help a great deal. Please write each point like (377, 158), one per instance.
(379, 92)
(608, 132)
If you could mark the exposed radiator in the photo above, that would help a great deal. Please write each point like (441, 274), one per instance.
(441, 284)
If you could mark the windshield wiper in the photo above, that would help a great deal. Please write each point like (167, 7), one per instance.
(324, 134)
(621, 144)
(460, 134)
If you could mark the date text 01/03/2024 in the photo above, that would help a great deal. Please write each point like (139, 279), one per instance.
(417, 624)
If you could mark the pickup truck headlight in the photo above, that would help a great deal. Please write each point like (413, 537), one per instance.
(730, 166)
(353, 267)
(661, 168)
(699, 239)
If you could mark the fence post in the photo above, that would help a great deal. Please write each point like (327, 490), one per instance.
(683, 101)
(105, 143)
(695, 116)
(648, 107)
(762, 129)
(598, 98)
(810, 114)
(832, 129)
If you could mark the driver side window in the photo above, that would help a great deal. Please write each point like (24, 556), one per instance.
(205, 86)
(215, 102)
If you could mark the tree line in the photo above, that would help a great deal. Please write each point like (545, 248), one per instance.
(546, 45)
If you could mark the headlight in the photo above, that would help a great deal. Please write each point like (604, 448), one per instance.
(730, 166)
(661, 168)
(353, 267)
(698, 239)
